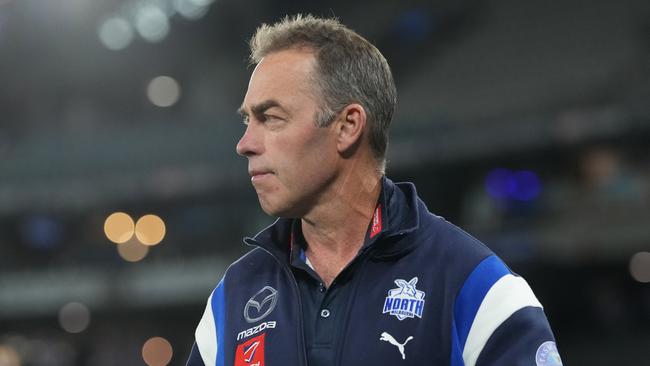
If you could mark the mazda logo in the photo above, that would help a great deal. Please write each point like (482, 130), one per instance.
(261, 304)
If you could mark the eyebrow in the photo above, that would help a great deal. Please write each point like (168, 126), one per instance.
(260, 108)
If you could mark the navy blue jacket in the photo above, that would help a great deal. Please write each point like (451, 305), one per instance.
(425, 293)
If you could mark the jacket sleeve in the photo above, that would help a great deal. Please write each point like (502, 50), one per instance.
(525, 336)
(209, 334)
(498, 321)
(195, 357)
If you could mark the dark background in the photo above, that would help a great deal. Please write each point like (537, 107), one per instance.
(525, 122)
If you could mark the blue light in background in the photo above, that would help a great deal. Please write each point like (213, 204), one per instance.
(504, 184)
(498, 183)
(414, 25)
(527, 186)
(42, 232)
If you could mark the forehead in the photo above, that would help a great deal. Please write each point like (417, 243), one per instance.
(282, 76)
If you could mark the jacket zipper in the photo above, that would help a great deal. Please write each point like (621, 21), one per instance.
(355, 283)
(301, 331)
(358, 261)
(294, 283)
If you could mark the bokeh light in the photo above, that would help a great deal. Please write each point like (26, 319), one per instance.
(202, 2)
(8, 356)
(132, 251)
(163, 91)
(521, 185)
(74, 317)
(640, 267)
(119, 227)
(151, 23)
(414, 25)
(192, 9)
(157, 351)
(42, 232)
(150, 229)
(498, 183)
(115, 33)
(527, 186)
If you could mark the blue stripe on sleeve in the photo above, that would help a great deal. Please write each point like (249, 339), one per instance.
(476, 286)
(218, 311)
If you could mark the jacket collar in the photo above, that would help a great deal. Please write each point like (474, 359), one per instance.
(397, 215)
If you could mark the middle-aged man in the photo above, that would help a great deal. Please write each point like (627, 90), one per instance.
(356, 271)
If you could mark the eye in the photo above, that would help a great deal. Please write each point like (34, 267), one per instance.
(245, 120)
(270, 118)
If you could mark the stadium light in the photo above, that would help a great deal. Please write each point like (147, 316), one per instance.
(150, 229)
(640, 267)
(132, 251)
(115, 33)
(163, 91)
(74, 317)
(151, 23)
(119, 227)
(157, 351)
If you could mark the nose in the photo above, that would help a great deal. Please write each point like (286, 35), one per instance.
(249, 143)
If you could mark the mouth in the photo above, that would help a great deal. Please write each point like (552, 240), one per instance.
(257, 175)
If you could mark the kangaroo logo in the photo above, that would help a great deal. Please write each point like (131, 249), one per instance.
(405, 301)
(400, 346)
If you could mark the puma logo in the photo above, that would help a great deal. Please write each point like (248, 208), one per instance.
(400, 346)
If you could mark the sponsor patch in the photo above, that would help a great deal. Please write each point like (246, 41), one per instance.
(547, 355)
(251, 352)
(256, 329)
(405, 301)
(261, 304)
(385, 336)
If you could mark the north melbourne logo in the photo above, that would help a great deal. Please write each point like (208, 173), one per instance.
(405, 301)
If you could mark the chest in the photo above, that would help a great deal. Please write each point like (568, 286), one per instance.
(396, 316)
(382, 315)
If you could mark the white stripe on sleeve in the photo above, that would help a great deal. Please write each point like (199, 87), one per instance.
(507, 295)
(206, 336)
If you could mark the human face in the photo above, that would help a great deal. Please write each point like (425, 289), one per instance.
(292, 162)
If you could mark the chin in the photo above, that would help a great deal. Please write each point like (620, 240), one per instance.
(277, 210)
(269, 208)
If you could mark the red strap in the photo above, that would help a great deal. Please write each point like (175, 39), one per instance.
(375, 228)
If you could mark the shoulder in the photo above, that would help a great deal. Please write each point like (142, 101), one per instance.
(489, 300)
(257, 262)
(449, 246)
(450, 237)
(479, 272)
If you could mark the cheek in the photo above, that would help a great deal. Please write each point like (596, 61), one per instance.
(303, 159)
(315, 162)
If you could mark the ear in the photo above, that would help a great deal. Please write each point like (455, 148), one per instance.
(350, 127)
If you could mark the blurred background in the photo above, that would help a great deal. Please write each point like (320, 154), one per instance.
(525, 122)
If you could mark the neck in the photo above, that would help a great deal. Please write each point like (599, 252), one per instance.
(336, 228)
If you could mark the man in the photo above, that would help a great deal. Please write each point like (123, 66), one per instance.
(356, 271)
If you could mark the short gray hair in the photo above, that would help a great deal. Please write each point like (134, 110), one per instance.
(349, 69)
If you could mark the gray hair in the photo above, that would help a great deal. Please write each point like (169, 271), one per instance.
(349, 69)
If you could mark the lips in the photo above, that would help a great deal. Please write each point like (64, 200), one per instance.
(256, 175)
